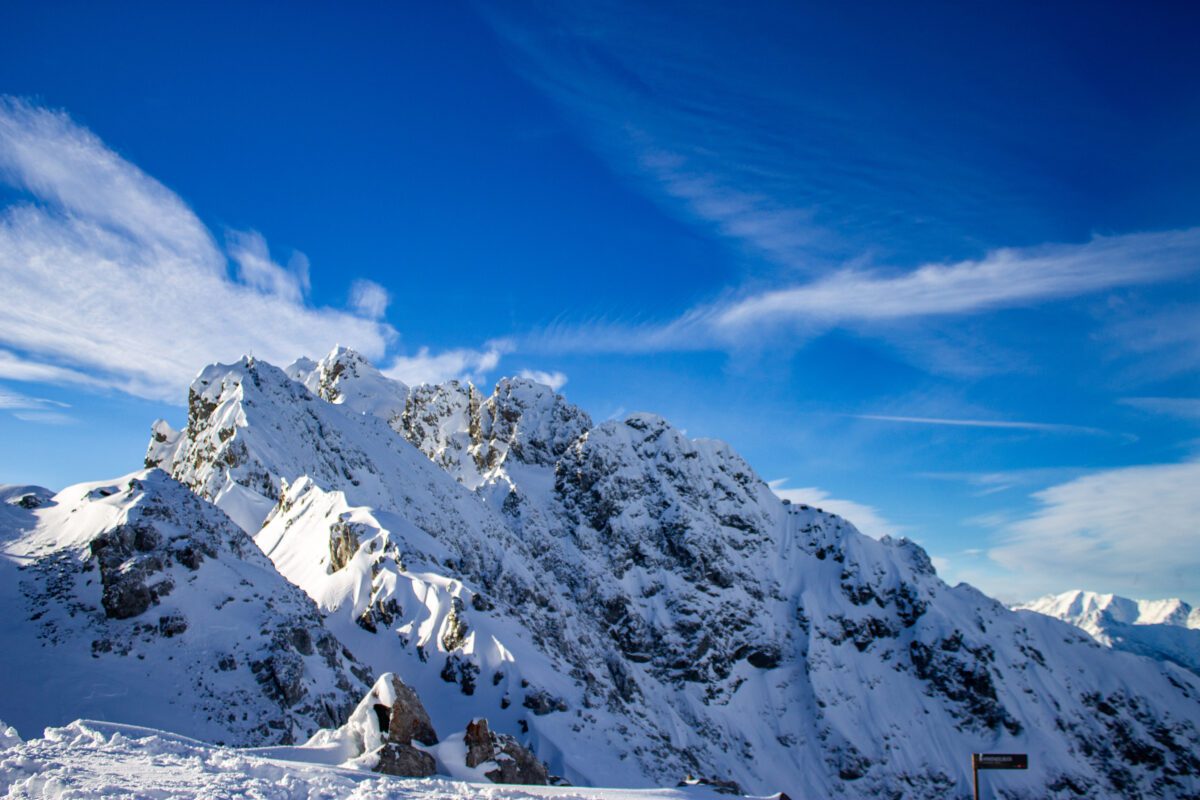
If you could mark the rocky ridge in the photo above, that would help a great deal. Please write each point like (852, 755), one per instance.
(638, 605)
(135, 599)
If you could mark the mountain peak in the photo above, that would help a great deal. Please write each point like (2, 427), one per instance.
(639, 603)
(153, 593)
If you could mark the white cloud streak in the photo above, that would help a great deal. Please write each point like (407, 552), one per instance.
(462, 365)
(804, 187)
(982, 423)
(1132, 530)
(866, 518)
(555, 380)
(871, 301)
(34, 409)
(110, 279)
(16, 368)
(46, 417)
(10, 400)
(258, 270)
(1004, 278)
(369, 298)
(1180, 407)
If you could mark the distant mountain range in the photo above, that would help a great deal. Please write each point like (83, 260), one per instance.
(1159, 629)
(631, 604)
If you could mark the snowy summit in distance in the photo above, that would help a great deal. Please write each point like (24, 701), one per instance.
(1162, 629)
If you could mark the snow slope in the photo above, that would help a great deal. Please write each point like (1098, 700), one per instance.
(135, 601)
(1159, 629)
(89, 759)
(637, 605)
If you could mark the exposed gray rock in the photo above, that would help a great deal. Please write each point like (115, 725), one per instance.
(127, 594)
(542, 703)
(343, 544)
(408, 719)
(406, 761)
(514, 763)
(400, 724)
(479, 743)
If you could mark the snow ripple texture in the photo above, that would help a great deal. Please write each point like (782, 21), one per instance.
(102, 760)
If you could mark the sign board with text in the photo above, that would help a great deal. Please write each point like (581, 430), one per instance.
(1001, 760)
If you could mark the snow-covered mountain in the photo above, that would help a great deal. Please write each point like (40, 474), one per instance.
(1160, 629)
(135, 600)
(637, 605)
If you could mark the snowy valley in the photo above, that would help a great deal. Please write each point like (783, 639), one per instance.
(625, 606)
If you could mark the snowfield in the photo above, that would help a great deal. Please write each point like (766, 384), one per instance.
(88, 759)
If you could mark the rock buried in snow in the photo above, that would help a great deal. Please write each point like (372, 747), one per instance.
(722, 786)
(404, 760)
(385, 732)
(404, 720)
(514, 763)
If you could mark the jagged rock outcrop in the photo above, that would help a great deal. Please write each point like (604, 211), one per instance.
(407, 719)
(659, 604)
(385, 732)
(514, 763)
(136, 600)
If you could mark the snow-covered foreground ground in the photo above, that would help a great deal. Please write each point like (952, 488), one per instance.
(89, 759)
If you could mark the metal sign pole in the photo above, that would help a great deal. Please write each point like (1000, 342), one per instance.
(975, 773)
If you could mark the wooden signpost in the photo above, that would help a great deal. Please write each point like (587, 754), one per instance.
(996, 761)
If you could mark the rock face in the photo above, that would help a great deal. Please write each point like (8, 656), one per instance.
(638, 605)
(137, 588)
(514, 763)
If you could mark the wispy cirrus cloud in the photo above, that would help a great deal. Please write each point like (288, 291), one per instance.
(1046, 427)
(257, 270)
(555, 380)
(987, 483)
(45, 417)
(1179, 407)
(1130, 530)
(111, 280)
(369, 298)
(18, 368)
(462, 364)
(769, 162)
(864, 517)
(15, 400)
(1004, 278)
(871, 301)
(844, 203)
(35, 409)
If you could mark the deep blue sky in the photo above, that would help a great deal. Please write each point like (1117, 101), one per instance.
(704, 211)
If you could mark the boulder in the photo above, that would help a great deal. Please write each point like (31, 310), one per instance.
(408, 718)
(479, 743)
(514, 763)
(406, 761)
(394, 713)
